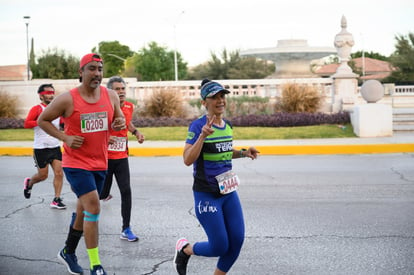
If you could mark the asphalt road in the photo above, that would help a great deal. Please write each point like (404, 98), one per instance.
(308, 214)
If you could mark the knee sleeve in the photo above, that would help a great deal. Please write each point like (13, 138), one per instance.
(89, 217)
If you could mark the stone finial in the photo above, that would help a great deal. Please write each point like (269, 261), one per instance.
(343, 22)
(343, 44)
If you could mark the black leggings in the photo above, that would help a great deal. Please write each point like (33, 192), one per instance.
(120, 168)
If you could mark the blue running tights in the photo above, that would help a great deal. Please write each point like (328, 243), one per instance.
(222, 220)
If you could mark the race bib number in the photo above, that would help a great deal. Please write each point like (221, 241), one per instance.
(228, 182)
(94, 122)
(118, 145)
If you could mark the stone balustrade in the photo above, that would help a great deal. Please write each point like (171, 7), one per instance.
(403, 90)
(271, 88)
(26, 91)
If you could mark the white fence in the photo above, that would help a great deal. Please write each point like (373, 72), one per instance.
(403, 90)
(26, 91)
(403, 96)
(270, 88)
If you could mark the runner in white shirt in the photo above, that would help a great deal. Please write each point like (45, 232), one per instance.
(46, 149)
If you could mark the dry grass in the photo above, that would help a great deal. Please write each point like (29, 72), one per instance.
(8, 105)
(164, 103)
(299, 99)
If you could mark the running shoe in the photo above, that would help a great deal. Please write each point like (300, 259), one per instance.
(70, 261)
(180, 258)
(57, 204)
(98, 270)
(27, 190)
(128, 235)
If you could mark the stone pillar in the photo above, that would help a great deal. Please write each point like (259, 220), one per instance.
(345, 84)
(372, 119)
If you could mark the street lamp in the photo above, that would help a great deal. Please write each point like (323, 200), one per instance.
(26, 21)
(363, 55)
(175, 48)
(116, 56)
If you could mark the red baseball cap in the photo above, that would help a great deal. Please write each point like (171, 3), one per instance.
(89, 58)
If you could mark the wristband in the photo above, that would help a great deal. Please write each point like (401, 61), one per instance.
(241, 153)
(134, 132)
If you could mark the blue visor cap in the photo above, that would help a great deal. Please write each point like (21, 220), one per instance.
(211, 88)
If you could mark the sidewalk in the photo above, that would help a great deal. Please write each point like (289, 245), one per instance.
(398, 143)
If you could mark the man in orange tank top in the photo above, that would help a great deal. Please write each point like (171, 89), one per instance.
(118, 164)
(89, 112)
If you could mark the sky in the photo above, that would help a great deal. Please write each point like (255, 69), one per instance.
(197, 28)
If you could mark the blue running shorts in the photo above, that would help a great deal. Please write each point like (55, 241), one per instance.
(84, 181)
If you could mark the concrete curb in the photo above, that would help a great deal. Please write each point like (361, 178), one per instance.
(302, 149)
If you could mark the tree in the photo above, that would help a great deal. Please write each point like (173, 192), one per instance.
(359, 54)
(370, 54)
(156, 63)
(232, 66)
(403, 60)
(56, 64)
(251, 68)
(32, 60)
(130, 66)
(114, 56)
(219, 68)
(198, 72)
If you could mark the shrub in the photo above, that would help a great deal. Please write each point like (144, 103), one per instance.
(163, 103)
(273, 120)
(291, 119)
(244, 105)
(299, 99)
(8, 105)
(161, 121)
(196, 103)
(239, 105)
(11, 123)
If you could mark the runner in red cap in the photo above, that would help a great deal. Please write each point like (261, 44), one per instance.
(89, 111)
(89, 58)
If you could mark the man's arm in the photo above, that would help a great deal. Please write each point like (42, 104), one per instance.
(118, 122)
(131, 127)
(55, 109)
(31, 119)
(140, 137)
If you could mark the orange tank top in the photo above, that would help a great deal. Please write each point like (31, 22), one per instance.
(119, 149)
(93, 122)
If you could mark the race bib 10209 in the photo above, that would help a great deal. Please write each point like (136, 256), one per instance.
(94, 122)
